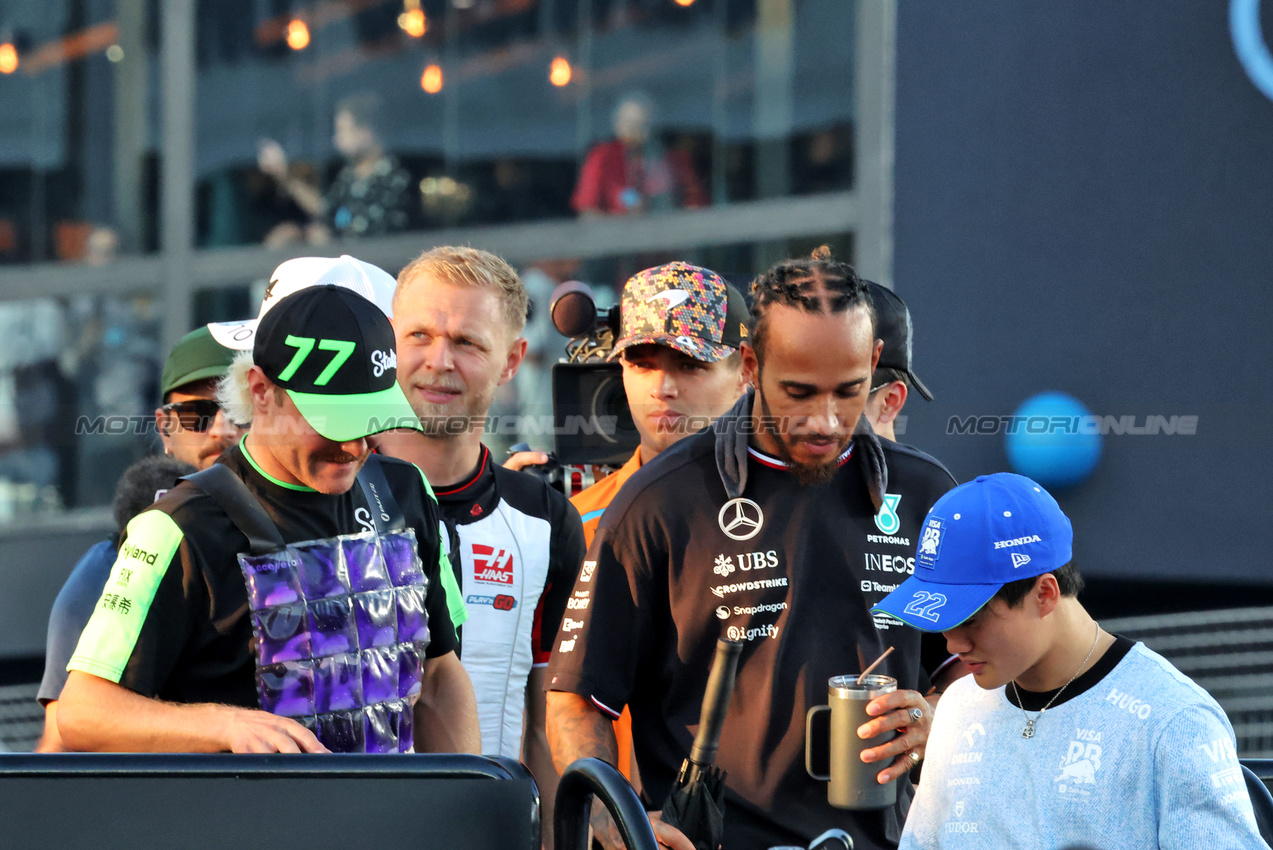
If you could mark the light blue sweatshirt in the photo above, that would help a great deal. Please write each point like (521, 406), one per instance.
(1142, 759)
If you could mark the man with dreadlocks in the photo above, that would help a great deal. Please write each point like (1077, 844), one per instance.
(780, 526)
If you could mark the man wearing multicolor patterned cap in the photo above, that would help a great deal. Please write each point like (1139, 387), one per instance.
(680, 328)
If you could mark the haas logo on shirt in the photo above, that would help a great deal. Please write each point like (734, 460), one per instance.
(492, 565)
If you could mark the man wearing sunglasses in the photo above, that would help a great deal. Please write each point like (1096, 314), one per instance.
(194, 431)
(190, 423)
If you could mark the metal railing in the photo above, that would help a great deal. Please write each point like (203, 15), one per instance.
(21, 717)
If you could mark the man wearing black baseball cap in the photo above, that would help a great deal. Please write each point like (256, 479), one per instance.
(1096, 736)
(895, 373)
(289, 598)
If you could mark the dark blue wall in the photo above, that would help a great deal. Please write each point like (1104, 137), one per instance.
(1084, 202)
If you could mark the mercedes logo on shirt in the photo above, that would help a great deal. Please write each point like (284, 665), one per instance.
(740, 519)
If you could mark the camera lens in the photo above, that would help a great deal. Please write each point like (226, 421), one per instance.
(610, 409)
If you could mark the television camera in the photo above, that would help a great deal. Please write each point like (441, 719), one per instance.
(592, 423)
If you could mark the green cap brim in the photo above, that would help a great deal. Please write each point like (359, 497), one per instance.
(205, 374)
(342, 418)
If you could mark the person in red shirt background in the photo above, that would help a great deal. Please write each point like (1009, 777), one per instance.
(633, 172)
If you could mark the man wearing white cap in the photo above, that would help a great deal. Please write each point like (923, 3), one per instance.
(371, 282)
(1097, 740)
(290, 597)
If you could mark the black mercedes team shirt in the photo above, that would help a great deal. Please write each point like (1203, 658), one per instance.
(715, 539)
(173, 621)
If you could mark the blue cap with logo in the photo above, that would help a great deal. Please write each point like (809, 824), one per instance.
(980, 536)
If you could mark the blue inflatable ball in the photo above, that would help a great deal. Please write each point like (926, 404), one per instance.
(1054, 439)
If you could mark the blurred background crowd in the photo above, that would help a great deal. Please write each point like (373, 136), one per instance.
(321, 122)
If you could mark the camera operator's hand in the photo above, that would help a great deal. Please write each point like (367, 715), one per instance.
(518, 461)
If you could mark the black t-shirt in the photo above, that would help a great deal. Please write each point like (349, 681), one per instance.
(790, 570)
(173, 622)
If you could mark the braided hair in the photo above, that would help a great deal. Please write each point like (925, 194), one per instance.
(819, 284)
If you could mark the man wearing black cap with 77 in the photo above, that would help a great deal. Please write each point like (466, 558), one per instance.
(288, 598)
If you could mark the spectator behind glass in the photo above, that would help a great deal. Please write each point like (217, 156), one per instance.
(138, 487)
(369, 196)
(633, 173)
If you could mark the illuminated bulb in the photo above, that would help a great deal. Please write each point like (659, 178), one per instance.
(685, 2)
(297, 34)
(413, 22)
(431, 79)
(559, 72)
(8, 58)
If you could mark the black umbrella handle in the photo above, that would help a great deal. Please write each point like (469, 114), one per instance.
(720, 684)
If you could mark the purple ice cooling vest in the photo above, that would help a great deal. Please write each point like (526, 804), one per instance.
(341, 629)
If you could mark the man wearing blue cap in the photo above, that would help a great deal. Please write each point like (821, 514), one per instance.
(1096, 736)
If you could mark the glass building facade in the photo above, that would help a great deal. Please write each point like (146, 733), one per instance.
(158, 160)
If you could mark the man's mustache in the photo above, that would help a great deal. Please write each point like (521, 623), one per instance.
(336, 457)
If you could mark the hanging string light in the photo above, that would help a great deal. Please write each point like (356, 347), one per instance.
(412, 21)
(297, 34)
(8, 58)
(431, 79)
(560, 72)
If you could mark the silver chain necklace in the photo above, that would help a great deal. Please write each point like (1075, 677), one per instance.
(1028, 731)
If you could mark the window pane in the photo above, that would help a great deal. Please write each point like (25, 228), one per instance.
(319, 120)
(78, 165)
(78, 388)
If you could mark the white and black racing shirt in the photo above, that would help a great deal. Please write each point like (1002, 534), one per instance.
(515, 544)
